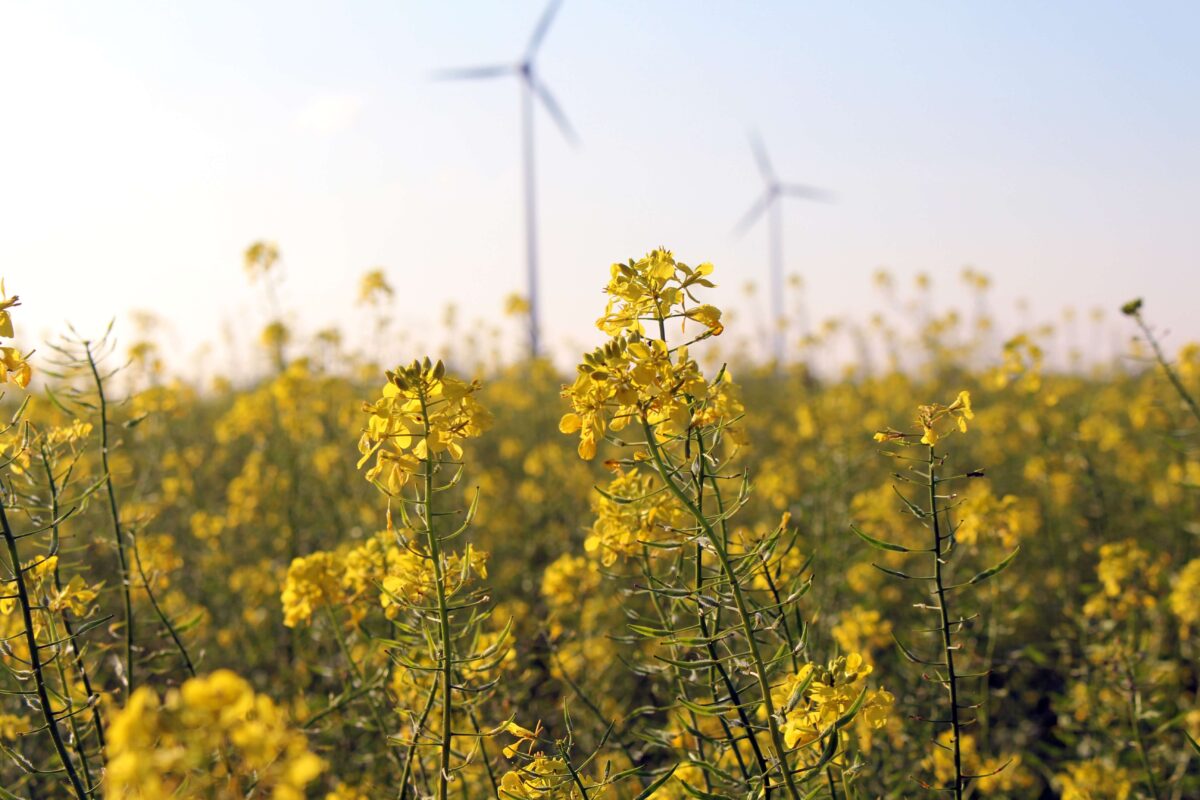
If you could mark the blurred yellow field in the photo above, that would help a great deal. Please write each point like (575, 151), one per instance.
(655, 577)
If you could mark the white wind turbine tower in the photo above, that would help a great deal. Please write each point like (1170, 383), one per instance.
(770, 202)
(533, 90)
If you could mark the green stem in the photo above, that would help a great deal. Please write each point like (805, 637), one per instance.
(35, 659)
(712, 650)
(1166, 366)
(412, 747)
(829, 780)
(447, 659)
(591, 706)
(487, 762)
(1136, 726)
(115, 514)
(163, 618)
(947, 637)
(76, 733)
(780, 751)
(84, 678)
(566, 759)
(680, 682)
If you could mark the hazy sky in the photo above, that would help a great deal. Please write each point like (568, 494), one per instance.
(144, 145)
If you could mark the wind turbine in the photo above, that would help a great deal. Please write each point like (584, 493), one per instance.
(770, 203)
(533, 90)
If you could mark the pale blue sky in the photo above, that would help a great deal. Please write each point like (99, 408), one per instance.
(144, 145)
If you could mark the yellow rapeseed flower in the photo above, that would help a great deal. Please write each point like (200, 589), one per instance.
(421, 413)
(213, 735)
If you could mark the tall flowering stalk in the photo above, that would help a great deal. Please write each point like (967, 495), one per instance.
(672, 522)
(935, 421)
(414, 434)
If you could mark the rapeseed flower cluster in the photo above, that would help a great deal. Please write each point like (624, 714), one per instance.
(819, 699)
(639, 379)
(420, 412)
(14, 368)
(212, 737)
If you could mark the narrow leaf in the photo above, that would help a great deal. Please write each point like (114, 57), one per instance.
(649, 790)
(882, 545)
(1003, 565)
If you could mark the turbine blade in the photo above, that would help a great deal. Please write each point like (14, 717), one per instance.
(807, 192)
(760, 157)
(473, 73)
(539, 33)
(753, 214)
(554, 110)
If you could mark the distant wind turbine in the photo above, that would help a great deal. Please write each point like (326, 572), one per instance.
(769, 202)
(532, 88)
